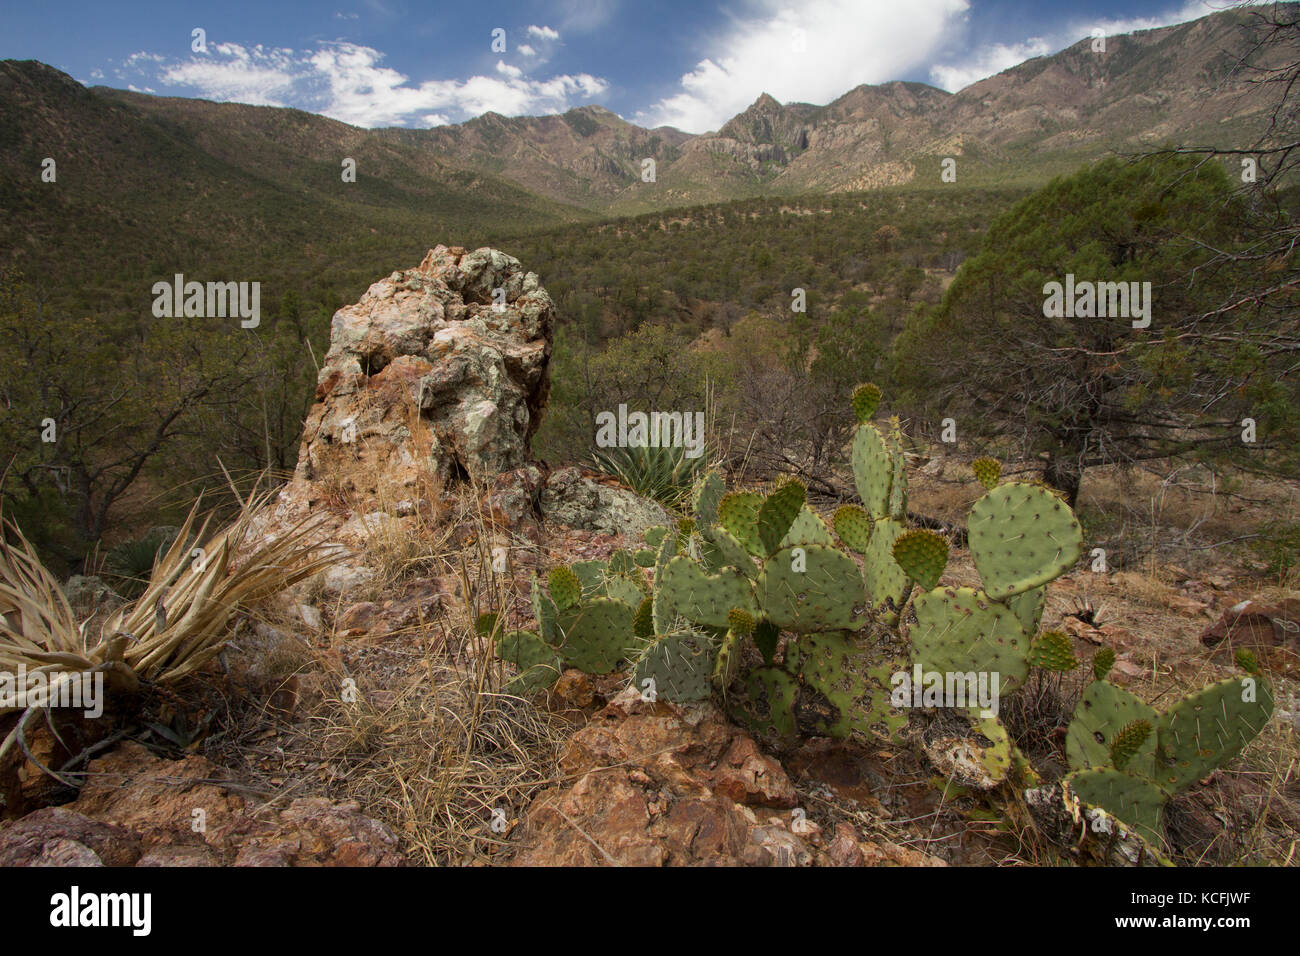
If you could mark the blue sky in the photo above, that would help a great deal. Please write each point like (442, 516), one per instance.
(686, 63)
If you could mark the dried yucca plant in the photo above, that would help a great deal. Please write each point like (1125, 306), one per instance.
(174, 628)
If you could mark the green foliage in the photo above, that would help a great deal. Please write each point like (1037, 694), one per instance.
(664, 474)
(1090, 389)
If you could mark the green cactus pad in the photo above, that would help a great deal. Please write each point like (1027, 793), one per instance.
(1128, 742)
(922, 555)
(811, 588)
(1102, 662)
(853, 525)
(959, 630)
(846, 687)
(1102, 712)
(680, 664)
(1021, 537)
(1052, 651)
(725, 551)
(707, 493)
(1207, 729)
(536, 661)
(1028, 607)
(808, 528)
(628, 590)
(701, 597)
(1133, 801)
(883, 578)
(644, 558)
(866, 399)
(620, 562)
(988, 471)
(592, 575)
(566, 589)
(872, 470)
(662, 612)
(778, 513)
(597, 634)
(767, 705)
(738, 513)
(654, 536)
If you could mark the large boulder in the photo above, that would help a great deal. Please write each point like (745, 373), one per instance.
(441, 369)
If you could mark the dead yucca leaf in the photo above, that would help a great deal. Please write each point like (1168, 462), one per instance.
(175, 627)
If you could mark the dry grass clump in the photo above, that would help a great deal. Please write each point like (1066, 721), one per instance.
(428, 741)
(177, 625)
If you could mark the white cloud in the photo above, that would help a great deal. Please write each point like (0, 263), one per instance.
(543, 33)
(348, 82)
(986, 62)
(845, 43)
(526, 50)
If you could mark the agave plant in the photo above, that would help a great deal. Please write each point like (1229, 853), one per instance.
(665, 474)
(176, 626)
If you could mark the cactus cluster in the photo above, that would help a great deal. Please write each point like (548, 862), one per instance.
(1128, 759)
(802, 626)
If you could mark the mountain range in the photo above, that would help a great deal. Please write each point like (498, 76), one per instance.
(151, 178)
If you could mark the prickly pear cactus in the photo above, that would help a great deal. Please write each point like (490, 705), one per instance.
(537, 663)
(922, 555)
(777, 514)
(597, 634)
(565, 587)
(853, 525)
(846, 687)
(866, 399)
(1102, 713)
(1133, 800)
(679, 665)
(1022, 536)
(873, 470)
(810, 588)
(738, 514)
(960, 629)
(1052, 651)
(701, 597)
(767, 704)
(988, 471)
(1206, 729)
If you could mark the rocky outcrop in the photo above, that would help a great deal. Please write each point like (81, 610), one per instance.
(655, 784)
(444, 366)
(137, 809)
(580, 501)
